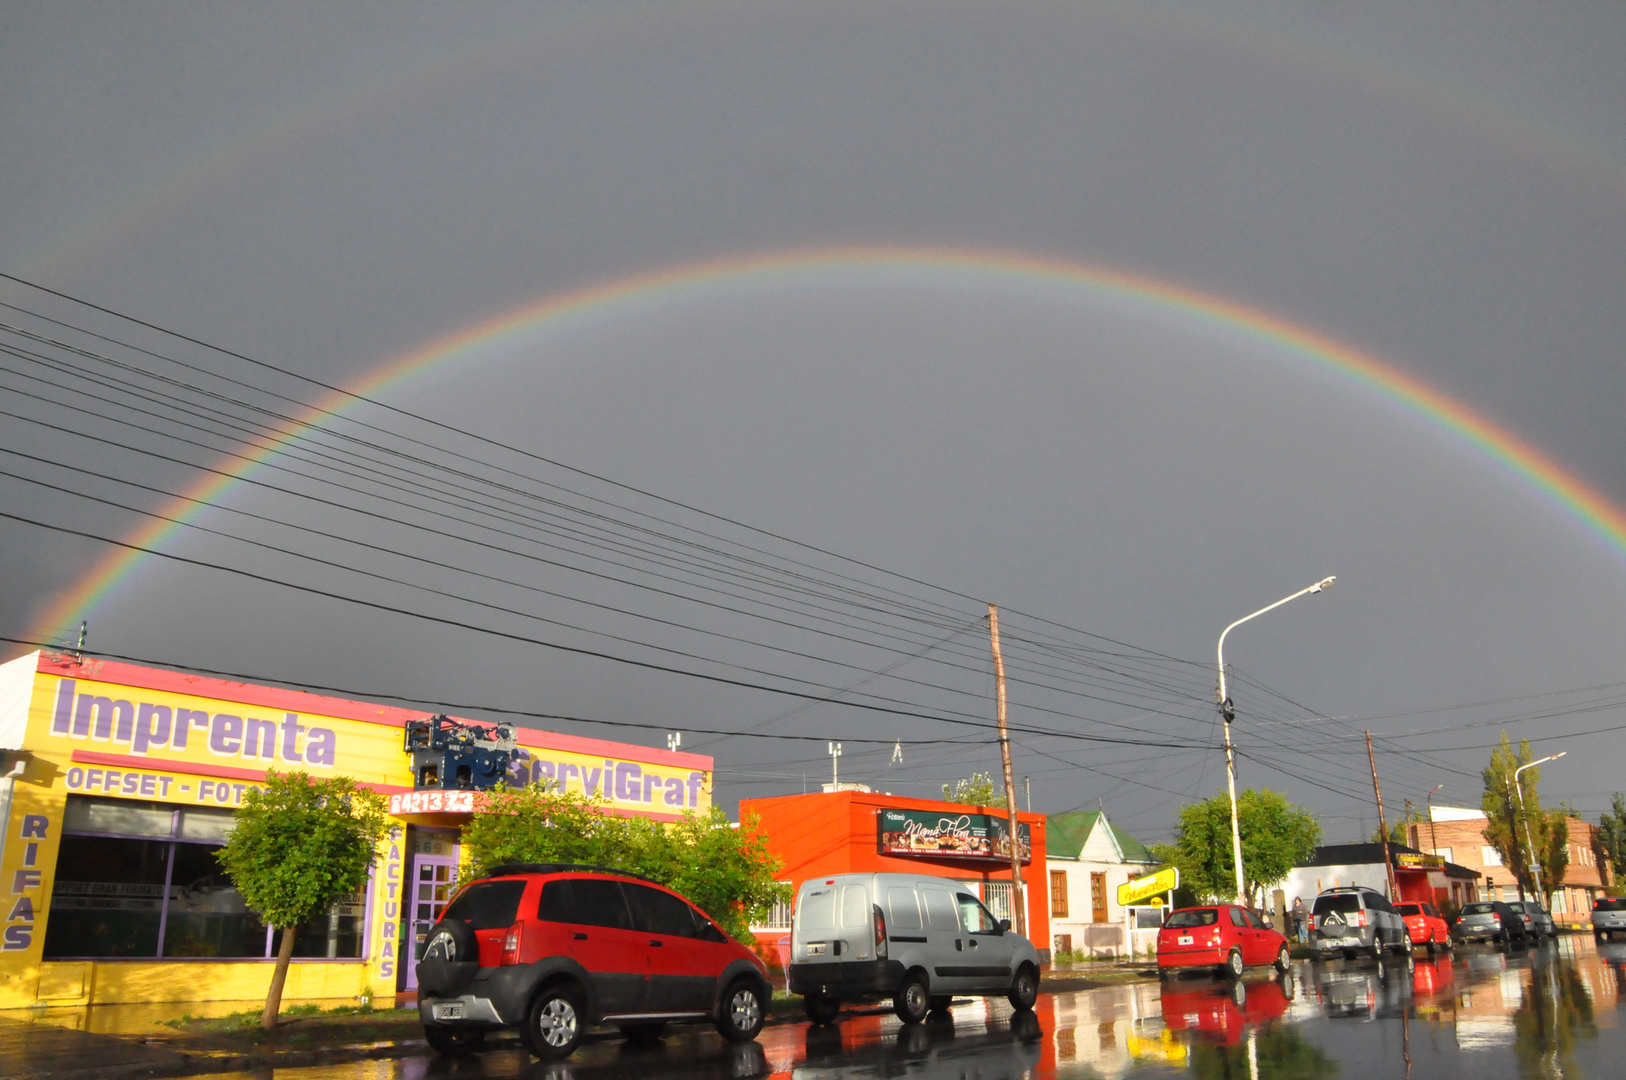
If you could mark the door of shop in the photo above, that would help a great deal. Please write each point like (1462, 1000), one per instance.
(431, 888)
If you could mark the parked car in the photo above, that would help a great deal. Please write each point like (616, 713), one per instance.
(1352, 920)
(551, 948)
(1490, 920)
(1608, 917)
(1223, 936)
(917, 941)
(1536, 918)
(1425, 925)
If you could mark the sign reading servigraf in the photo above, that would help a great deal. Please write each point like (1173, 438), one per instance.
(957, 836)
(1416, 861)
(1137, 889)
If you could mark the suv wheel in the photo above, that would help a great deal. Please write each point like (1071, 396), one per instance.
(1024, 989)
(554, 1026)
(821, 1010)
(913, 1001)
(742, 1013)
(453, 1041)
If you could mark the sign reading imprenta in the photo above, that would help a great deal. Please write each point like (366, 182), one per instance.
(1137, 889)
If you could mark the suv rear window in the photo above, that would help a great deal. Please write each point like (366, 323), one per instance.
(586, 901)
(1478, 909)
(1181, 920)
(1341, 902)
(487, 905)
(1610, 904)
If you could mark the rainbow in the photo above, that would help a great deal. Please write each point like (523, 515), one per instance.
(783, 271)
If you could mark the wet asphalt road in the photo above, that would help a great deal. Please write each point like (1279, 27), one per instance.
(1483, 1013)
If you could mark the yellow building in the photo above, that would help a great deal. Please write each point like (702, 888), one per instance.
(117, 785)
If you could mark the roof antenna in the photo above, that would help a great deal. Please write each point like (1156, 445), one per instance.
(79, 653)
(897, 752)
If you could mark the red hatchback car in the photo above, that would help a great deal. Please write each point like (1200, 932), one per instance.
(1224, 936)
(1426, 926)
(550, 948)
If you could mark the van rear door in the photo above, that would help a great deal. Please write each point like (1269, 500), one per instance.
(813, 930)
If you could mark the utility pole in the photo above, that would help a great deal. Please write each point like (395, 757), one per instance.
(1018, 907)
(1433, 840)
(1383, 827)
(1027, 782)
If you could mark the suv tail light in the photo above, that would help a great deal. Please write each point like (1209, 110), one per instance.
(1496, 918)
(511, 944)
(880, 933)
(1360, 919)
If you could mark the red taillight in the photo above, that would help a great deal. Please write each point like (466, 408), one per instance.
(880, 932)
(1498, 919)
(1360, 918)
(511, 944)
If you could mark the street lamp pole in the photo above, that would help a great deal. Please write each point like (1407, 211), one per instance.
(1535, 861)
(1229, 714)
(1433, 840)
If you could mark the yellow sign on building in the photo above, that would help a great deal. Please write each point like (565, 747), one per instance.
(1135, 890)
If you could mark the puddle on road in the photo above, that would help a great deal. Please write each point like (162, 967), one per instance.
(1488, 1014)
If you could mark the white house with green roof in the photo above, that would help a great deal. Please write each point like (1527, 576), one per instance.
(1088, 858)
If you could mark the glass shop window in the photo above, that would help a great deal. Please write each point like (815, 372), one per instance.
(140, 879)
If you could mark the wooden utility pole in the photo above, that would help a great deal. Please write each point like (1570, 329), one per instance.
(1383, 826)
(1019, 909)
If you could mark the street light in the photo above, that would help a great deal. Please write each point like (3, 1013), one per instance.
(1229, 714)
(1535, 863)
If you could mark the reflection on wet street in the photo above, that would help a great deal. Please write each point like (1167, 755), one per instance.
(1484, 1013)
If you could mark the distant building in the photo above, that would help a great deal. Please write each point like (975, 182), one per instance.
(1457, 834)
(1089, 858)
(1419, 876)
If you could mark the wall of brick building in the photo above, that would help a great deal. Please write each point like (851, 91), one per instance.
(1463, 842)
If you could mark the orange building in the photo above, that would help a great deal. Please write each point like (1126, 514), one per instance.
(852, 832)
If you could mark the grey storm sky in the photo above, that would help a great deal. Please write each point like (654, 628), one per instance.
(333, 186)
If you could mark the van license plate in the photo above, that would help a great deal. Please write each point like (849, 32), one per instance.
(1183, 941)
(451, 1012)
(816, 948)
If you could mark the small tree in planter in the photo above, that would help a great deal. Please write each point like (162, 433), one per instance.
(298, 844)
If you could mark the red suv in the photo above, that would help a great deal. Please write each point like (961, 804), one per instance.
(551, 948)
(1425, 925)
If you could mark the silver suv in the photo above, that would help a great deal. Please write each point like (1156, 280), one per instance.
(1352, 920)
(1608, 917)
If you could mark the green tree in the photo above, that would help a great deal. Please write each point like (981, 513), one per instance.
(1276, 836)
(1612, 837)
(727, 871)
(297, 845)
(975, 790)
(1514, 831)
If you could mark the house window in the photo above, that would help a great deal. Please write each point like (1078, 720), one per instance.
(141, 880)
(1058, 894)
(1444, 853)
(1489, 856)
(779, 917)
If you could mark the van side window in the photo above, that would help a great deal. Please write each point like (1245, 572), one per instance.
(976, 917)
(855, 910)
(818, 910)
(940, 914)
(905, 908)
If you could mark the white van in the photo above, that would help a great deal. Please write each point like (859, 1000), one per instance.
(918, 941)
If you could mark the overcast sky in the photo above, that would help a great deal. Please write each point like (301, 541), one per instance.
(329, 187)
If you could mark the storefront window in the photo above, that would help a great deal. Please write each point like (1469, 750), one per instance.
(141, 880)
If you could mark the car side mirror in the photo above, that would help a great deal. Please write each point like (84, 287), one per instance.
(1004, 926)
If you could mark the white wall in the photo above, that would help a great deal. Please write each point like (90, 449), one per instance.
(1307, 881)
(16, 693)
